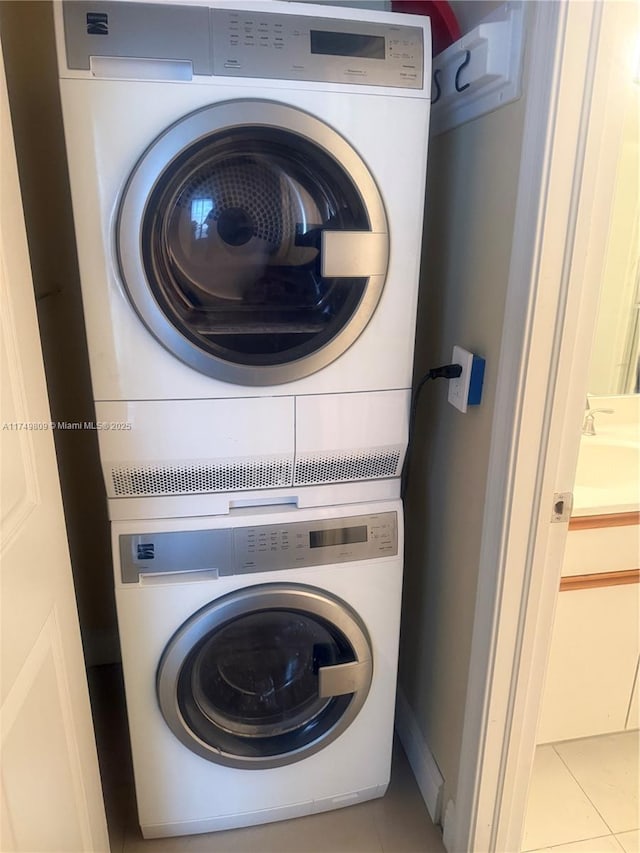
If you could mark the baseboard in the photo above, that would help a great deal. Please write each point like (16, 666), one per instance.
(423, 764)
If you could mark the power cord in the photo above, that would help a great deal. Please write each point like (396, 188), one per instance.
(445, 371)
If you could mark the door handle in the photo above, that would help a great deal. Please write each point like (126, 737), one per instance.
(353, 254)
(343, 678)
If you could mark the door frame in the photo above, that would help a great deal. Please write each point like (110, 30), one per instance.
(560, 237)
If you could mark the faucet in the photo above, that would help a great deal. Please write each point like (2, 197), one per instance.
(588, 424)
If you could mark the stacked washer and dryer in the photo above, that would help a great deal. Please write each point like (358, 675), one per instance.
(248, 188)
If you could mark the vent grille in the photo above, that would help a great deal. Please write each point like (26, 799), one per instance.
(196, 478)
(240, 474)
(343, 467)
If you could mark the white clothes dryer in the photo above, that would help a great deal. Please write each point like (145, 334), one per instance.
(248, 189)
(259, 654)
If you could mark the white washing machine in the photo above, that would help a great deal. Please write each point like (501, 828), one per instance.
(259, 654)
(248, 189)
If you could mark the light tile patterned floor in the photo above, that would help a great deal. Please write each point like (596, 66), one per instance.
(584, 796)
(396, 823)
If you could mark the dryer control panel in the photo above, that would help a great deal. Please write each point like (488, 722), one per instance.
(231, 42)
(296, 47)
(260, 548)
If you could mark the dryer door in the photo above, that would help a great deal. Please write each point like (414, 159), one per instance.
(265, 676)
(253, 242)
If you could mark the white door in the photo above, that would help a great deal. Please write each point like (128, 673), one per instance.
(51, 795)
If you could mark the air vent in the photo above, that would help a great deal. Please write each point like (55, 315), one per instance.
(316, 468)
(198, 478)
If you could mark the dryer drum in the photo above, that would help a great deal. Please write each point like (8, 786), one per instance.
(265, 676)
(237, 269)
(241, 220)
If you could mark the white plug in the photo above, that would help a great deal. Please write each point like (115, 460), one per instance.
(466, 390)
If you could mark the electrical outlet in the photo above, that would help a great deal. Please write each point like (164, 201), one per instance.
(466, 390)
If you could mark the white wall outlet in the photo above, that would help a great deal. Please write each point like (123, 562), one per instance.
(466, 390)
(459, 388)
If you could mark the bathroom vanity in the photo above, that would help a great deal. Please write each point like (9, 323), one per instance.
(592, 680)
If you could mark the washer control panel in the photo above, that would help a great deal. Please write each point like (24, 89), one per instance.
(260, 548)
(297, 47)
(314, 543)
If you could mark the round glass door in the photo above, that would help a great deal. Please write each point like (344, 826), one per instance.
(253, 242)
(265, 676)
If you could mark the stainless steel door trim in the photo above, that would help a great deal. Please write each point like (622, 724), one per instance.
(183, 134)
(248, 600)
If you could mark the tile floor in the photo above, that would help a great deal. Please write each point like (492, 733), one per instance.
(584, 796)
(397, 823)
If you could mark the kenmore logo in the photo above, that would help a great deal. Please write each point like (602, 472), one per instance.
(97, 24)
(145, 551)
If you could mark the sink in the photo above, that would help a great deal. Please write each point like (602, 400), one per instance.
(608, 473)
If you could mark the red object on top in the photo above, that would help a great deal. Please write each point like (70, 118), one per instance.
(444, 24)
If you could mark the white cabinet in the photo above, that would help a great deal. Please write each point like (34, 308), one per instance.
(594, 654)
(591, 685)
(602, 549)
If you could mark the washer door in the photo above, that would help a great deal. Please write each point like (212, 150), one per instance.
(265, 676)
(253, 242)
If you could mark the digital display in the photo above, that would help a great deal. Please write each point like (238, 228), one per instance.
(337, 536)
(347, 44)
